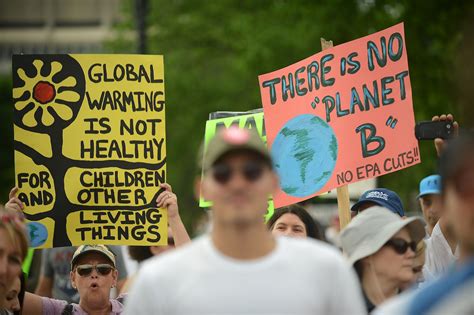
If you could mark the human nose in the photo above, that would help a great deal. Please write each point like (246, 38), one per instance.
(288, 232)
(410, 253)
(16, 305)
(237, 179)
(94, 273)
(3, 266)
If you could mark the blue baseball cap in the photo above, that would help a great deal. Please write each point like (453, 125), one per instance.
(382, 197)
(430, 185)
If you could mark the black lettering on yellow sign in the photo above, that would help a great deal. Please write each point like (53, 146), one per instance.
(90, 138)
(118, 149)
(120, 225)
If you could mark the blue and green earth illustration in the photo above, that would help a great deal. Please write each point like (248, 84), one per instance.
(304, 155)
(38, 233)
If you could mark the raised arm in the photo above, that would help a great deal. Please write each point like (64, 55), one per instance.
(439, 146)
(167, 199)
(32, 304)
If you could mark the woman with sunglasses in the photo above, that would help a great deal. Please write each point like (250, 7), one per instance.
(93, 274)
(382, 247)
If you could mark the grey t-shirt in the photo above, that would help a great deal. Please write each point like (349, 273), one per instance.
(56, 265)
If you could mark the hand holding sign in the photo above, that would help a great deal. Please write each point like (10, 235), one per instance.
(13, 202)
(167, 199)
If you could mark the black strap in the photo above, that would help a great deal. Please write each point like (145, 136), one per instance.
(67, 310)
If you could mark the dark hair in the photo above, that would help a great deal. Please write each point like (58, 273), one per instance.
(140, 253)
(313, 229)
(457, 155)
(359, 269)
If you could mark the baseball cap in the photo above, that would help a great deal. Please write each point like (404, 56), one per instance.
(382, 197)
(233, 139)
(84, 249)
(372, 228)
(430, 185)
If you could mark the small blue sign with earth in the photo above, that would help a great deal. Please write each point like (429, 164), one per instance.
(38, 233)
(304, 155)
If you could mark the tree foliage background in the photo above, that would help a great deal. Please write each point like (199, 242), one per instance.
(215, 50)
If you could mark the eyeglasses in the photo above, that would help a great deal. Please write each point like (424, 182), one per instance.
(400, 245)
(251, 170)
(86, 270)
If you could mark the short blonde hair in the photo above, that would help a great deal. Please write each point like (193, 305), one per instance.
(15, 228)
(420, 248)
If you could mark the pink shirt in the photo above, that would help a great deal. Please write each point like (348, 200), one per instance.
(56, 307)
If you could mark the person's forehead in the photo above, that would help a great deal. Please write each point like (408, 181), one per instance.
(431, 197)
(402, 233)
(239, 156)
(6, 242)
(366, 205)
(92, 257)
(290, 218)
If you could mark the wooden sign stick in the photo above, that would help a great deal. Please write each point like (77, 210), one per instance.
(343, 201)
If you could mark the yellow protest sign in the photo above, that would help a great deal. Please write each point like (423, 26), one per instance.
(90, 148)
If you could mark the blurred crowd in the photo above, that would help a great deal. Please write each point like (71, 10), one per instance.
(382, 262)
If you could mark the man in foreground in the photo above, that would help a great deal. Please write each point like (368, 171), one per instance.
(240, 268)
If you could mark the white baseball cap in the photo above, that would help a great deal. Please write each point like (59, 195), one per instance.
(374, 227)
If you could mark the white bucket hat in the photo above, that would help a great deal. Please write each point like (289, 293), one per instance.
(372, 228)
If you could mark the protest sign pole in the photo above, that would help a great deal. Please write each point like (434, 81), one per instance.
(343, 201)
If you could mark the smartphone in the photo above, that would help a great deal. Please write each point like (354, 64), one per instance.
(429, 130)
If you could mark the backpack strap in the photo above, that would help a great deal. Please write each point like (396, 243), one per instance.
(68, 309)
(121, 299)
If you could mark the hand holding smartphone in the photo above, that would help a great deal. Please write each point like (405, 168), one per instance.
(430, 130)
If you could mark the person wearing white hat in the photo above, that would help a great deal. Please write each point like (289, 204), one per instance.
(93, 274)
(382, 246)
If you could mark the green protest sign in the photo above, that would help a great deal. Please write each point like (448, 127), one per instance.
(250, 120)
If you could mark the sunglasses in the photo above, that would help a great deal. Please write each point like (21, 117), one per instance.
(401, 246)
(251, 171)
(86, 270)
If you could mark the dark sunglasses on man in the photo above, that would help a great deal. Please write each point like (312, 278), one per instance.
(401, 246)
(250, 170)
(86, 270)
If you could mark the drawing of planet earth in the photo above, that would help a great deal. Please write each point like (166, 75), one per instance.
(37, 232)
(304, 155)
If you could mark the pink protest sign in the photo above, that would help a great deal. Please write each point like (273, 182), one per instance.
(340, 116)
